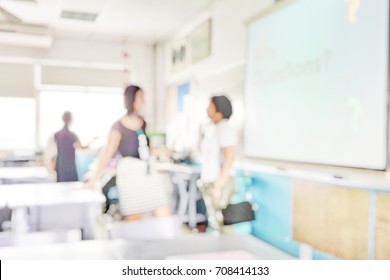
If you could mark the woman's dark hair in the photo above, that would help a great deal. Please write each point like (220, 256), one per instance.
(130, 93)
(223, 105)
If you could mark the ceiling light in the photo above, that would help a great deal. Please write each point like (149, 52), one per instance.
(79, 15)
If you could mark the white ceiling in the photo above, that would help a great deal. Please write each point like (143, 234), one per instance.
(146, 20)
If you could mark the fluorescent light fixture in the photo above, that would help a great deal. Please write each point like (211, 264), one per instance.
(25, 40)
(34, 36)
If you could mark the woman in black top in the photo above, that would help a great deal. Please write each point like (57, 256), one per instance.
(129, 143)
(124, 136)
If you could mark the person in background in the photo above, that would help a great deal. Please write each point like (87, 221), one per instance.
(67, 142)
(218, 150)
(50, 156)
(124, 137)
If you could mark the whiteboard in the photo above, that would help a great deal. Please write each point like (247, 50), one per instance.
(316, 83)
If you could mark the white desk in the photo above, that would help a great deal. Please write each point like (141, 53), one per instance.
(84, 250)
(23, 174)
(202, 246)
(53, 206)
(186, 247)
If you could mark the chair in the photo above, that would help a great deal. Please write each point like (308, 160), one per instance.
(147, 229)
(39, 238)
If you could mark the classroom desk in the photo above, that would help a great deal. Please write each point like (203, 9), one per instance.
(84, 250)
(185, 177)
(14, 160)
(16, 175)
(200, 246)
(52, 206)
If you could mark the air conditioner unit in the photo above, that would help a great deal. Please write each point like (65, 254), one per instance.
(23, 35)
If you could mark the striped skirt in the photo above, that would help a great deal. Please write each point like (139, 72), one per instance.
(138, 191)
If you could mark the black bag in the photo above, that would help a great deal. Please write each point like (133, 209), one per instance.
(110, 185)
(237, 213)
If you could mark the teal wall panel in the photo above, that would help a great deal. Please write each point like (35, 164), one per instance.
(273, 196)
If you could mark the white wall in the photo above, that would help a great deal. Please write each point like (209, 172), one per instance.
(228, 40)
(83, 50)
(16, 80)
(91, 54)
(223, 70)
(160, 76)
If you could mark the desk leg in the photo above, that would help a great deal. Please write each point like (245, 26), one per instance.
(33, 218)
(192, 202)
(183, 199)
(20, 221)
(89, 225)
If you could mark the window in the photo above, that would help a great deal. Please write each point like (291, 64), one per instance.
(93, 112)
(17, 124)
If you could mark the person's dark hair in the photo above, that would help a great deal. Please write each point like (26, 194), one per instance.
(223, 105)
(67, 117)
(130, 93)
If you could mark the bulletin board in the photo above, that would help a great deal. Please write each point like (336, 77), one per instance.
(331, 219)
(382, 227)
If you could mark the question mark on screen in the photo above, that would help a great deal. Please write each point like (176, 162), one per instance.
(354, 6)
(356, 111)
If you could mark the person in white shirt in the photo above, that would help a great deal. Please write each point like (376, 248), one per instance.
(218, 150)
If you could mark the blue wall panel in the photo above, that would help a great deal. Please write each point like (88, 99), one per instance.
(317, 255)
(273, 195)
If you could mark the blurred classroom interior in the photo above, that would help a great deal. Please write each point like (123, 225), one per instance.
(207, 129)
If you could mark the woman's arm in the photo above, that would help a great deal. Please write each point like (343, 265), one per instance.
(109, 151)
(77, 146)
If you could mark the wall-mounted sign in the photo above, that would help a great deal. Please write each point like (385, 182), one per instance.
(179, 55)
(201, 42)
